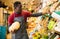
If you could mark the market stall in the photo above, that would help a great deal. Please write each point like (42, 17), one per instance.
(46, 26)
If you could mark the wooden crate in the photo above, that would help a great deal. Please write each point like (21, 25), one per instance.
(1, 16)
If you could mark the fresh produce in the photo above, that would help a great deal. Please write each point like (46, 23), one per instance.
(51, 24)
(14, 26)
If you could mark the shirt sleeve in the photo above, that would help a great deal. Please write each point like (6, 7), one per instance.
(10, 19)
(28, 14)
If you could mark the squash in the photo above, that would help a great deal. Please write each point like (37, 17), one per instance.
(14, 26)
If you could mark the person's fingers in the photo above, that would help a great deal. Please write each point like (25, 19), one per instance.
(11, 29)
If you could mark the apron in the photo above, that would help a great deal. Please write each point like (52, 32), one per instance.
(21, 33)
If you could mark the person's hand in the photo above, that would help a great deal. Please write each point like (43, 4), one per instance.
(11, 29)
(14, 26)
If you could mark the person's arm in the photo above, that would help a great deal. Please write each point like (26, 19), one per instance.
(36, 15)
(29, 14)
(10, 21)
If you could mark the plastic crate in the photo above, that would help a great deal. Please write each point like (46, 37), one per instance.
(2, 32)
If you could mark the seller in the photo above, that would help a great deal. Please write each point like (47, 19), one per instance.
(20, 16)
